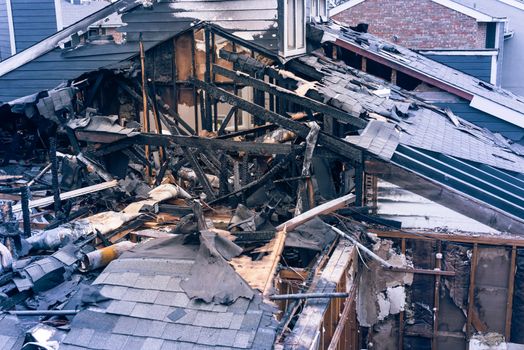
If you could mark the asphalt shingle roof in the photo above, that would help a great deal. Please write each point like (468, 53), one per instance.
(149, 310)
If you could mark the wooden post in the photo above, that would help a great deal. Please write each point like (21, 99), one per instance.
(511, 288)
(393, 77)
(401, 314)
(145, 116)
(471, 292)
(364, 64)
(436, 302)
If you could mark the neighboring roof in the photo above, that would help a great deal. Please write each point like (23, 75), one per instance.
(470, 12)
(482, 96)
(148, 308)
(515, 3)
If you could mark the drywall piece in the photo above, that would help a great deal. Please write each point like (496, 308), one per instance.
(381, 291)
(489, 341)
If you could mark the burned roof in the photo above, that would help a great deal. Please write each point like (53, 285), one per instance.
(149, 309)
(483, 96)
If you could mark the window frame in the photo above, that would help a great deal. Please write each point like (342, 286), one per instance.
(286, 52)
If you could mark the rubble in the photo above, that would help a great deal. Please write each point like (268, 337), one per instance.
(144, 231)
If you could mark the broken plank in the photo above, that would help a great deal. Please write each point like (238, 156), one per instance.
(322, 209)
(42, 202)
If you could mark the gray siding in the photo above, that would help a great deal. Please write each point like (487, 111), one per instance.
(33, 20)
(254, 20)
(5, 45)
(484, 120)
(53, 68)
(477, 66)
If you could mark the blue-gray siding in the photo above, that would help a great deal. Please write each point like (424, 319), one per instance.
(484, 120)
(5, 45)
(477, 66)
(33, 20)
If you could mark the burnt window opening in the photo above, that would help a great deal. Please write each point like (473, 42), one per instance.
(407, 82)
(378, 70)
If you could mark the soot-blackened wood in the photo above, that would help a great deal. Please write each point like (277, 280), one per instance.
(291, 96)
(338, 146)
(226, 120)
(202, 178)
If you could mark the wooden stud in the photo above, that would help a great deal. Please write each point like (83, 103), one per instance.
(511, 288)
(364, 64)
(471, 291)
(436, 302)
(393, 77)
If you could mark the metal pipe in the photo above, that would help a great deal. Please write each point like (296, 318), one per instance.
(364, 248)
(308, 296)
(54, 175)
(102, 257)
(42, 312)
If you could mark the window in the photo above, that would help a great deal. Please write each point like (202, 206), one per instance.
(294, 27)
(318, 9)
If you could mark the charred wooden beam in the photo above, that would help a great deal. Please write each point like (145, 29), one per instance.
(291, 96)
(343, 148)
(202, 178)
(226, 120)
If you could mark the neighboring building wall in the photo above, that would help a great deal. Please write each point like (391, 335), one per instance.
(484, 120)
(512, 65)
(428, 25)
(5, 45)
(477, 66)
(33, 20)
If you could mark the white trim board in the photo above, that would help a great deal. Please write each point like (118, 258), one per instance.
(497, 110)
(12, 41)
(342, 7)
(468, 11)
(459, 52)
(58, 15)
(514, 3)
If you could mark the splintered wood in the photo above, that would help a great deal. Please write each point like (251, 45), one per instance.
(259, 273)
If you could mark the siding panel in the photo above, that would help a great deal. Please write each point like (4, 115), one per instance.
(29, 29)
(5, 45)
(477, 66)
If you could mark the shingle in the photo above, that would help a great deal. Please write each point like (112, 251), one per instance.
(174, 285)
(223, 319)
(240, 306)
(140, 295)
(243, 339)
(79, 336)
(121, 307)
(219, 308)
(99, 341)
(208, 336)
(160, 282)
(226, 337)
(171, 345)
(95, 320)
(172, 299)
(145, 282)
(153, 312)
(176, 315)
(236, 321)
(264, 339)
(148, 328)
(134, 343)
(251, 320)
(126, 279)
(188, 318)
(191, 334)
(125, 325)
(113, 292)
(174, 331)
(205, 319)
(101, 278)
(116, 341)
(152, 344)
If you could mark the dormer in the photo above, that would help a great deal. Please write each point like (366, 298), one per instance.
(293, 16)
